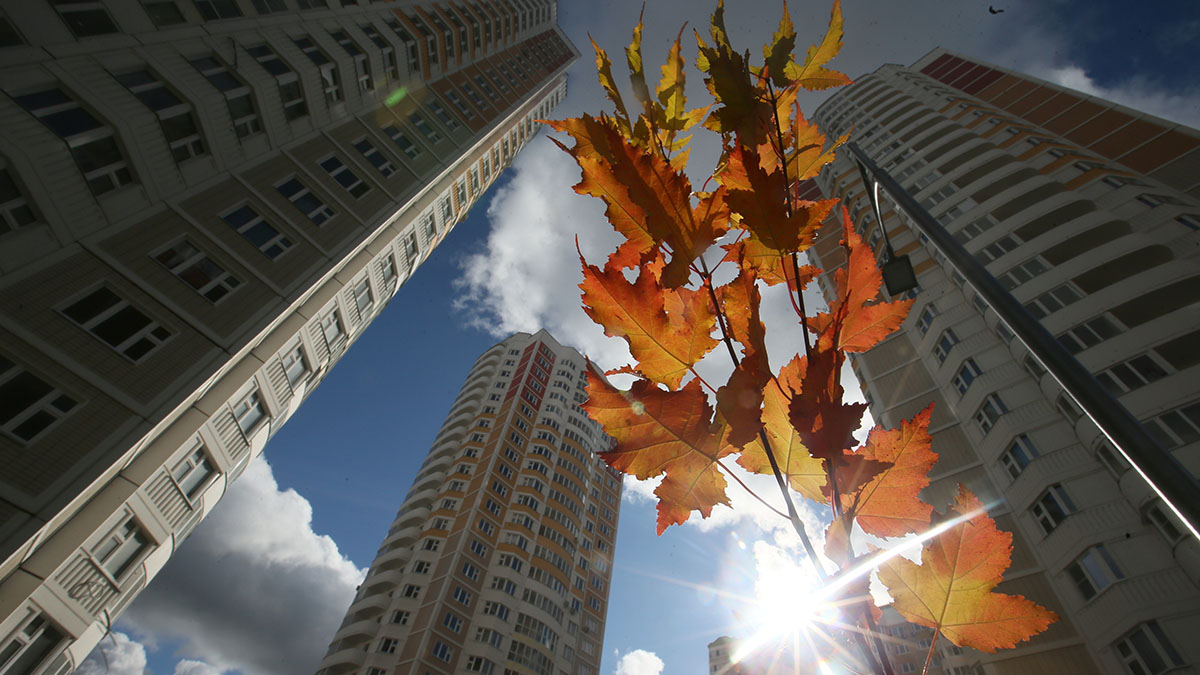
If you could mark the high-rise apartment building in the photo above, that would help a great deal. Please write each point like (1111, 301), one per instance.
(1088, 212)
(202, 204)
(499, 560)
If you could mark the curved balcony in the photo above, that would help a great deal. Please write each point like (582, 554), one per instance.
(369, 602)
(344, 661)
(1128, 602)
(364, 628)
(1086, 527)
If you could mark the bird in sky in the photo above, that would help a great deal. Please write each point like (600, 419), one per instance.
(993, 10)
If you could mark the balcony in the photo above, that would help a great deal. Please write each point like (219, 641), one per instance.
(365, 628)
(1084, 528)
(344, 660)
(1048, 469)
(1129, 602)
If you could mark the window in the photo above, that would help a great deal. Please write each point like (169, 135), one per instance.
(1164, 522)
(945, 342)
(421, 567)
(15, 211)
(400, 617)
(331, 326)
(304, 200)
(478, 664)
(1052, 508)
(488, 636)
(261, 234)
(1089, 334)
(454, 623)
(496, 609)
(121, 548)
(387, 267)
(411, 591)
(344, 176)
(423, 126)
(462, 596)
(1053, 300)
(269, 6)
(966, 375)
(174, 115)
(330, 81)
(213, 10)
(1022, 273)
(402, 141)
(192, 472)
(1019, 455)
(460, 104)
(362, 296)
(1146, 651)
(249, 411)
(470, 571)
(391, 67)
(505, 585)
(479, 549)
(989, 412)
(485, 527)
(30, 405)
(197, 270)
(1176, 427)
(362, 67)
(117, 323)
(441, 651)
(92, 144)
(926, 319)
(32, 646)
(1094, 571)
(388, 645)
(237, 95)
(290, 93)
(163, 12)
(1132, 374)
(85, 18)
(440, 523)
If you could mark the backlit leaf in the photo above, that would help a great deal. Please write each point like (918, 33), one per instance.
(812, 75)
(803, 472)
(888, 506)
(951, 590)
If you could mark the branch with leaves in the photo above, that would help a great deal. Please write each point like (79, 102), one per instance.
(657, 292)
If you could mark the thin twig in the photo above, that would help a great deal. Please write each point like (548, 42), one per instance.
(752, 492)
(929, 657)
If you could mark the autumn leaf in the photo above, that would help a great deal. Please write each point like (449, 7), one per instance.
(672, 99)
(812, 75)
(648, 200)
(825, 424)
(778, 52)
(808, 153)
(665, 345)
(664, 432)
(804, 473)
(768, 265)
(760, 198)
(951, 590)
(740, 400)
(728, 80)
(888, 505)
(604, 72)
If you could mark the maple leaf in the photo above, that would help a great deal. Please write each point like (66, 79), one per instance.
(855, 322)
(760, 198)
(851, 470)
(664, 432)
(888, 505)
(604, 72)
(665, 345)
(778, 52)
(637, 76)
(728, 80)
(768, 265)
(812, 75)
(808, 152)
(951, 590)
(672, 99)
(804, 473)
(740, 400)
(825, 424)
(648, 200)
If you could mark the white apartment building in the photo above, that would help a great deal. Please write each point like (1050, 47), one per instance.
(203, 203)
(500, 558)
(1088, 212)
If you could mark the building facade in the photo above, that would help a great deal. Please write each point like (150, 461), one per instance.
(500, 558)
(1088, 212)
(203, 203)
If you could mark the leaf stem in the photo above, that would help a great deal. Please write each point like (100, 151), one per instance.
(752, 492)
(932, 644)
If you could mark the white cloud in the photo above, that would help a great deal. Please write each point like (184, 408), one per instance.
(1180, 104)
(253, 589)
(190, 667)
(116, 654)
(639, 662)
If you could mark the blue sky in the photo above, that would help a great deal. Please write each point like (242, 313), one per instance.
(261, 585)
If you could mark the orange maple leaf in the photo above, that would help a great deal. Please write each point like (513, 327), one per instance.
(668, 331)
(805, 473)
(951, 590)
(769, 266)
(664, 432)
(888, 506)
(648, 199)
(761, 198)
(740, 400)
